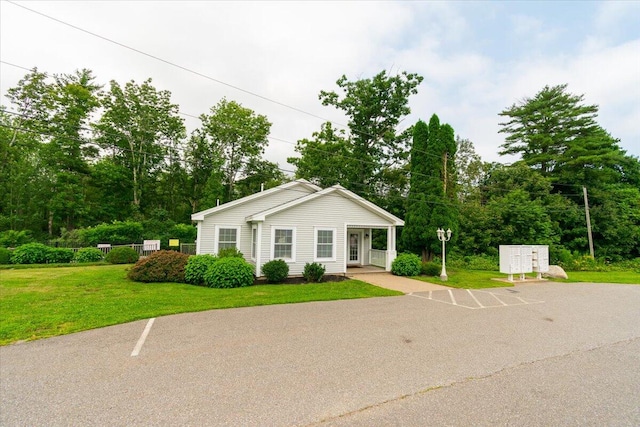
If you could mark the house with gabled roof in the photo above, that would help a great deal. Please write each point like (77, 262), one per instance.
(300, 223)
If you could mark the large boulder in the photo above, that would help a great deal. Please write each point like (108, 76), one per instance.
(555, 272)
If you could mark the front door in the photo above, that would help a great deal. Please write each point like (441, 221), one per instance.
(354, 248)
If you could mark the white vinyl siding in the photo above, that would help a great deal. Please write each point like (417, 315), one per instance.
(325, 244)
(323, 212)
(283, 243)
(236, 215)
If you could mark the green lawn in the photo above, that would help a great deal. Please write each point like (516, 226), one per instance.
(468, 279)
(44, 302)
(628, 277)
(477, 279)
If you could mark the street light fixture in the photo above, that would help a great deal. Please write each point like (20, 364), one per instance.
(443, 236)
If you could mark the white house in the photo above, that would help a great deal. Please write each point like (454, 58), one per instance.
(299, 222)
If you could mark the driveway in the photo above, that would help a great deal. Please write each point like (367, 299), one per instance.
(570, 358)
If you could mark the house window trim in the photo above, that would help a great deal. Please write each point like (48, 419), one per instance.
(293, 243)
(217, 238)
(315, 244)
(254, 242)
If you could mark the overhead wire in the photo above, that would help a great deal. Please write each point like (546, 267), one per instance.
(189, 70)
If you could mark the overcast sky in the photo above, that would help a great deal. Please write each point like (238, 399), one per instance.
(477, 58)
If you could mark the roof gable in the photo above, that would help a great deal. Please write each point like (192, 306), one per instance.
(261, 216)
(199, 216)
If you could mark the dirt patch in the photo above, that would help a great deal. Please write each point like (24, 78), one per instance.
(301, 280)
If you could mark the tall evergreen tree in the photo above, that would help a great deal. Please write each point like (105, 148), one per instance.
(432, 193)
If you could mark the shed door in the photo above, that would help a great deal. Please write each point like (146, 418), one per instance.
(354, 248)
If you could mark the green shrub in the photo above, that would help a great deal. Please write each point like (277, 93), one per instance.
(196, 267)
(122, 255)
(230, 253)
(275, 271)
(430, 269)
(116, 233)
(406, 265)
(59, 255)
(313, 272)
(229, 273)
(482, 262)
(88, 255)
(5, 255)
(13, 238)
(160, 266)
(31, 253)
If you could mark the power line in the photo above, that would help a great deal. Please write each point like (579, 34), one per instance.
(189, 70)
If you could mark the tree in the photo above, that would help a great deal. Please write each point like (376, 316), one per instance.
(138, 127)
(470, 170)
(374, 152)
(261, 174)
(555, 133)
(432, 193)
(239, 136)
(325, 159)
(57, 113)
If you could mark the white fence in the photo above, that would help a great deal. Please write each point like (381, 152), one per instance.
(378, 258)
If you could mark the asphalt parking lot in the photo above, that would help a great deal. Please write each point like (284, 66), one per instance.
(549, 354)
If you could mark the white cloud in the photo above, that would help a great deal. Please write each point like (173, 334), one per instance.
(289, 51)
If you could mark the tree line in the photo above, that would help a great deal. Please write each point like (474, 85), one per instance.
(76, 154)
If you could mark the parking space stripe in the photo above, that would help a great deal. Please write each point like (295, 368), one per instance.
(475, 299)
(453, 300)
(143, 337)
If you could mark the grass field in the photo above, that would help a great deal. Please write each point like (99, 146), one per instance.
(44, 302)
(476, 279)
(468, 279)
(628, 277)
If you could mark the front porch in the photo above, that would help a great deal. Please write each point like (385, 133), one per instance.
(364, 269)
(369, 248)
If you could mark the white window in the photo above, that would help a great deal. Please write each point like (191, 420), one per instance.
(283, 243)
(325, 244)
(227, 237)
(254, 241)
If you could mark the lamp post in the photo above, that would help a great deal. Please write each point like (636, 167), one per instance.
(443, 236)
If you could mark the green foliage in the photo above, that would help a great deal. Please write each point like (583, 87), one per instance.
(196, 267)
(430, 268)
(432, 194)
(88, 255)
(5, 255)
(31, 253)
(59, 255)
(160, 266)
(239, 135)
(406, 265)
(275, 270)
(230, 253)
(482, 262)
(13, 238)
(229, 272)
(138, 119)
(371, 159)
(116, 233)
(313, 272)
(122, 255)
(558, 135)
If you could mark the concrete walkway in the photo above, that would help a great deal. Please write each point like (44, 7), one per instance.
(397, 283)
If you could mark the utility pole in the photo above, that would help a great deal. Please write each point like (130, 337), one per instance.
(586, 211)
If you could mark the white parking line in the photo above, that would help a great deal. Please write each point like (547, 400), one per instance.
(475, 299)
(143, 337)
(453, 300)
(479, 304)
